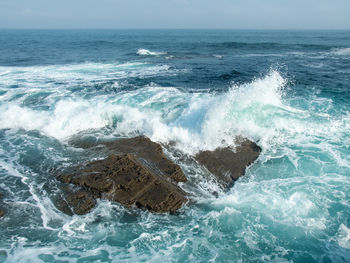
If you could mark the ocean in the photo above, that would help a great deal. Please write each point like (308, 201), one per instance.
(289, 91)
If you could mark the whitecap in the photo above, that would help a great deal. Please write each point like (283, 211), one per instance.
(341, 51)
(146, 52)
(343, 237)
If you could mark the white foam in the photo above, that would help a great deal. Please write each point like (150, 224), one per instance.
(205, 121)
(46, 78)
(212, 121)
(146, 52)
(343, 236)
(218, 56)
(47, 209)
(292, 208)
(341, 51)
(195, 121)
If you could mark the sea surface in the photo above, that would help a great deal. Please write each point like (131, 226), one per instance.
(194, 90)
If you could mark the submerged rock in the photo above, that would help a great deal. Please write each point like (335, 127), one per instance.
(228, 165)
(136, 173)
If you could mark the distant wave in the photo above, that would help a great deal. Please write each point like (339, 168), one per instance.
(218, 56)
(264, 45)
(341, 51)
(146, 52)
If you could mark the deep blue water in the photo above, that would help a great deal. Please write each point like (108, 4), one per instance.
(287, 90)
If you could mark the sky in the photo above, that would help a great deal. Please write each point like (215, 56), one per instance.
(175, 14)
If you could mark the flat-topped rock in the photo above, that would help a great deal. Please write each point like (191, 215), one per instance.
(74, 200)
(228, 165)
(123, 179)
(148, 153)
(151, 154)
(136, 172)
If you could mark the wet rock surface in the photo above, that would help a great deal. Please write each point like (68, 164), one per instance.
(228, 165)
(148, 153)
(74, 200)
(136, 172)
(123, 179)
(151, 155)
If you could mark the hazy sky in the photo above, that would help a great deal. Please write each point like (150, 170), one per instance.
(235, 14)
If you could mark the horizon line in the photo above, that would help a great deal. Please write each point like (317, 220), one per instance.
(238, 29)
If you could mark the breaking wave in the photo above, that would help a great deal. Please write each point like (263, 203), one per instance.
(341, 51)
(146, 52)
(298, 182)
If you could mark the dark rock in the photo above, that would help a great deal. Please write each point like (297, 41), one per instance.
(124, 179)
(148, 153)
(74, 201)
(228, 165)
(151, 155)
(137, 173)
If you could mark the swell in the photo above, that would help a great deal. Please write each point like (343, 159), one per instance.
(269, 45)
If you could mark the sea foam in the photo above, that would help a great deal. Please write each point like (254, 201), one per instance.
(204, 121)
(341, 51)
(146, 52)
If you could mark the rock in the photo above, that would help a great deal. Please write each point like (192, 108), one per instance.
(137, 173)
(227, 165)
(148, 153)
(74, 201)
(124, 179)
(152, 155)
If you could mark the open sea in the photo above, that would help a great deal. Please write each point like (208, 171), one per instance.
(289, 91)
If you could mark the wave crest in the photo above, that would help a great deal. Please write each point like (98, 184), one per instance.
(146, 52)
(341, 51)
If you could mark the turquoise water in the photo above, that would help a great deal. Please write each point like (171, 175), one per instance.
(289, 91)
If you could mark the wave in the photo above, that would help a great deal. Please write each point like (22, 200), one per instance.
(204, 121)
(76, 80)
(341, 51)
(146, 52)
(201, 123)
(218, 56)
(195, 121)
(293, 186)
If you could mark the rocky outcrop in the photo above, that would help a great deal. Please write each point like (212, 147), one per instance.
(74, 200)
(228, 165)
(147, 152)
(123, 179)
(150, 154)
(136, 172)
